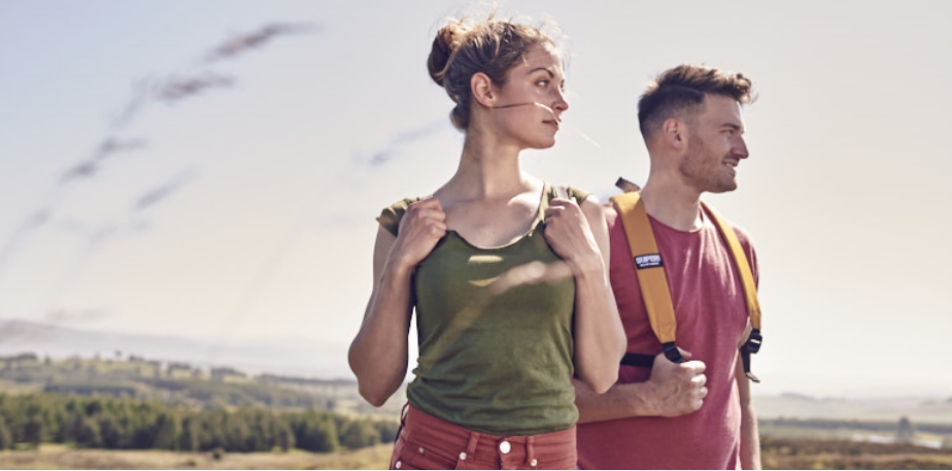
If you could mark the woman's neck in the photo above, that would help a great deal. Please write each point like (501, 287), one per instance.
(488, 170)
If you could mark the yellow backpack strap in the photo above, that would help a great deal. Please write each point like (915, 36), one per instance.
(750, 288)
(650, 271)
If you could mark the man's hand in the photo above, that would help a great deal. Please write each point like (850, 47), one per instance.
(676, 388)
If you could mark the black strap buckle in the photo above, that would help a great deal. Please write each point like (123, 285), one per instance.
(672, 353)
(751, 346)
(639, 360)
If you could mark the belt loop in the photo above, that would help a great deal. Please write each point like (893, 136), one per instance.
(473, 441)
(530, 452)
(403, 413)
(403, 421)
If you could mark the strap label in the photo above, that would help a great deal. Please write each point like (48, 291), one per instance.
(648, 261)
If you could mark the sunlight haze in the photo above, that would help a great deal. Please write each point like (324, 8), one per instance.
(247, 210)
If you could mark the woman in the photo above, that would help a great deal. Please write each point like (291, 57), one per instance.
(509, 280)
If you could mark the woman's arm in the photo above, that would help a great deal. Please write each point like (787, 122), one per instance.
(378, 355)
(580, 236)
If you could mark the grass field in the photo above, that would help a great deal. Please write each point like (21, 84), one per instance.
(777, 454)
(63, 457)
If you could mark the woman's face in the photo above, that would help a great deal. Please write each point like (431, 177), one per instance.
(530, 103)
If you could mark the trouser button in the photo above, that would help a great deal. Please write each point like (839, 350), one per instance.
(505, 447)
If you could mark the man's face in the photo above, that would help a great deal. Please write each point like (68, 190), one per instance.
(715, 145)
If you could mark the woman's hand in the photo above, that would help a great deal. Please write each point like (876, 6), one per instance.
(580, 236)
(378, 355)
(422, 226)
(568, 233)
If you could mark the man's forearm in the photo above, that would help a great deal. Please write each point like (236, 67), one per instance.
(619, 402)
(749, 434)
(670, 391)
(749, 440)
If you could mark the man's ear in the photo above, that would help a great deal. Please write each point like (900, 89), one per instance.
(674, 133)
(482, 88)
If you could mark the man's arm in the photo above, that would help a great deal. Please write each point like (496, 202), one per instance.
(672, 390)
(749, 435)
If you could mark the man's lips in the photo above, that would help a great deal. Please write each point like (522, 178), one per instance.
(731, 164)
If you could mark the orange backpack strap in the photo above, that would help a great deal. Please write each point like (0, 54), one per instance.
(650, 271)
(649, 268)
(750, 288)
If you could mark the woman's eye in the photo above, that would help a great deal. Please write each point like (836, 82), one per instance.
(543, 83)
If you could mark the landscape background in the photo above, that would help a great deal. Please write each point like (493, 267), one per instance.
(197, 182)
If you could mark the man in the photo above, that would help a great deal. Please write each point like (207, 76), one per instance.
(696, 414)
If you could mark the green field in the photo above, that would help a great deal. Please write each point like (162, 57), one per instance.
(147, 412)
(777, 454)
(63, 457)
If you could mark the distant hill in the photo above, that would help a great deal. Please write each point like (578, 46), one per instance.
(299, 359)
(289, 356)
(793, 405)
(183, 383)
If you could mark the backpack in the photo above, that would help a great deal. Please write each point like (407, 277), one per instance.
(654, 284)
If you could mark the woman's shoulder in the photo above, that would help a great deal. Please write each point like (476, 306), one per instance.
(566, 191)
(390, 216)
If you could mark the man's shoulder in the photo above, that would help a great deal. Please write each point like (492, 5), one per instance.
(742, 235)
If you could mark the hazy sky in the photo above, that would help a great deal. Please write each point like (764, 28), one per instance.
(248, 210)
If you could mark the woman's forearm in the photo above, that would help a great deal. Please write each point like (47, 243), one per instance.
(599, 337)
(378, 354)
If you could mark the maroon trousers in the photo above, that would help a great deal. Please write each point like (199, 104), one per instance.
(427, 442)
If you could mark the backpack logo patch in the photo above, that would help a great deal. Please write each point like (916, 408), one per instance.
(648, 261)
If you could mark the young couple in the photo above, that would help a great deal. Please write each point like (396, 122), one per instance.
(525, 292)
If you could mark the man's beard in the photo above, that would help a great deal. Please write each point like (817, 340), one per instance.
(701, 170)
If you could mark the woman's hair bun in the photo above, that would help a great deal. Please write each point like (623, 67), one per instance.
(463, 47)
(447, 40)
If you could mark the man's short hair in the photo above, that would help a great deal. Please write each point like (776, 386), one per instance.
(681, 90)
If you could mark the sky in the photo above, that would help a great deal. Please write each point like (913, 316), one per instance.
(152, 181)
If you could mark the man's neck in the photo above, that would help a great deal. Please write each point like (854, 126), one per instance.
(672, 204)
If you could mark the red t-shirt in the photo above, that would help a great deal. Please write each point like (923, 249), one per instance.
(709, 304)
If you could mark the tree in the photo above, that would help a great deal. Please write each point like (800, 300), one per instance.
(358, 434)
(111, 431)
(190, 439)
(388, 431)
(283, 435)
(906, 432)
(6, 438)
(33, 431)
(168, 428)
(88, 435)
(316, 432)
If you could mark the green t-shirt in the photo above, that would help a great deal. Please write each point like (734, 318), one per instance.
(496, 344)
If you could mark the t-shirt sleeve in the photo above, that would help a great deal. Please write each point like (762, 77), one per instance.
(578, 194)
(748, 246)
(389, 218)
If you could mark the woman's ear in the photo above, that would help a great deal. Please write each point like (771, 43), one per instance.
(482, 88)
